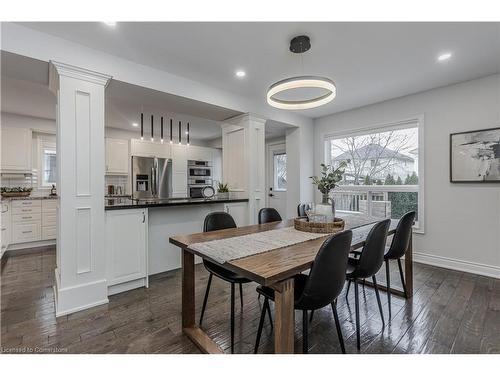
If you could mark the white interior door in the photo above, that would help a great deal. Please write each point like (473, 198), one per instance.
(276, 177)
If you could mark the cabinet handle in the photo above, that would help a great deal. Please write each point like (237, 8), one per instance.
(27, 231)
(27, 217)
(143, 217)
(4, 229)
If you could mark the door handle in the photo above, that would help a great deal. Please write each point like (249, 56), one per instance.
(271, 194)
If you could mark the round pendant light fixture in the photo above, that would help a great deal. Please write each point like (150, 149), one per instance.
(301, 44)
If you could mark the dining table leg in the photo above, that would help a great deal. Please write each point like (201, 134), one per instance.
(189, 327)
(285, 317)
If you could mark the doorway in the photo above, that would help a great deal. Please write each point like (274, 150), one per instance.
(276, 176)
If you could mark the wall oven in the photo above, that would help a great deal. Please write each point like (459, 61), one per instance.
(196, 186)
(199, 169)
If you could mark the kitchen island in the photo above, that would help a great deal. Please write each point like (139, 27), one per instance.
(137, 234)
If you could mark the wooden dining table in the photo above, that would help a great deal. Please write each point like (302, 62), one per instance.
(275, 269)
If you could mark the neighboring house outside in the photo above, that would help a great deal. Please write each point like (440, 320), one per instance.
(376, 162)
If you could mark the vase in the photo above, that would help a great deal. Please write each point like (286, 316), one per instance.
(326, 208)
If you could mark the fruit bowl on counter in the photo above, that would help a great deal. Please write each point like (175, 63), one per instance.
(13, 192)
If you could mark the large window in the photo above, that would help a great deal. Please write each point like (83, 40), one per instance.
(382, 170)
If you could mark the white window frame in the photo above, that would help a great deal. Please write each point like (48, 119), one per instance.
(419, 226)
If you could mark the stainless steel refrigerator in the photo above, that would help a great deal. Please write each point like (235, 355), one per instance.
(151, 178)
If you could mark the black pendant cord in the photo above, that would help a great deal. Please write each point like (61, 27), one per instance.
(171, 140)
(188, 134)
(142, 126)
(161, 129)
(180, 137)
(152, 135)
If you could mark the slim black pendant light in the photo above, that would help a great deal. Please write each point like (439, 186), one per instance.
(142, 126)
(152, 136)
(171, 141)
(161, 130)
(180, 132)
(187, 134)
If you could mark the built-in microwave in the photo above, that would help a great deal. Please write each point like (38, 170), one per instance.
(199, 169)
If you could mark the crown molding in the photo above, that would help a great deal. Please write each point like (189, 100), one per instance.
(58, 69)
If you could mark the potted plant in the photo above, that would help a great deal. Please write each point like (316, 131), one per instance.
(329, 179)
(222, 191)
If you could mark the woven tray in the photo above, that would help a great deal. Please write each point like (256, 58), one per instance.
(303, 225)
(16, 194)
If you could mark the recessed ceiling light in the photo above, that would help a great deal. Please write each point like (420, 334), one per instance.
(444, 56)
(240, 73)
(110, 24)
(135, 124)
(187, 132)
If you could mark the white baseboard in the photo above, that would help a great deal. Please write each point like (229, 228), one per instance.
(129, 285)
(458, 265)
(79, 297)
(29, 245)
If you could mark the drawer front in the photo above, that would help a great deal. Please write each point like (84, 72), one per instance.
(27, 218)
(49, 220)
(49, 205)
(49, 233)
(26, 232)
(25, 210)
(26, 203)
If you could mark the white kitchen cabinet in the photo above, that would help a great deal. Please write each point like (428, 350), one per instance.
(16, 150)
(217, 165)
(49, 219)
(200, 153)
(127, 249)
(150, 149)
(234, 159)
(239, 212)
(5, 226)
(117, 156)
(179, 171)
(26, 219)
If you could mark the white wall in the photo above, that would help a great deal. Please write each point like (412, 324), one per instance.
(462, 221)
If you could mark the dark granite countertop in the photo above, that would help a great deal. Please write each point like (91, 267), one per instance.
(127, 203)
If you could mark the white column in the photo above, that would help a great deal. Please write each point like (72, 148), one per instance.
(80, 273)
(244, 160)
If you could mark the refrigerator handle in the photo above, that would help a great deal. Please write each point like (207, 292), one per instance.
(153, 182)
(157, 179)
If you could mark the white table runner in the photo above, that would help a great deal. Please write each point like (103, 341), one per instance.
(228, 249)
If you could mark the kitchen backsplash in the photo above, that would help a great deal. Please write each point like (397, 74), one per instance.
(122, 181)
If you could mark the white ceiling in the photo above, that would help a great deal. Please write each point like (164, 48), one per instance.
(370, 62)
(24, 83)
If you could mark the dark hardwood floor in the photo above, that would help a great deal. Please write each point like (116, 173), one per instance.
(451, 312)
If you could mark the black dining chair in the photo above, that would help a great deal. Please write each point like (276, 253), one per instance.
(218, 221)
(367, 265)
(268, 215)
(399, 245)
(318, 289)
(301, 209)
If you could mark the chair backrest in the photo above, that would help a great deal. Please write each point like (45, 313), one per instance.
(218, 221)
(327, 276)
(301, 209)
(268, 215)
(401, 238)
(372, 256)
